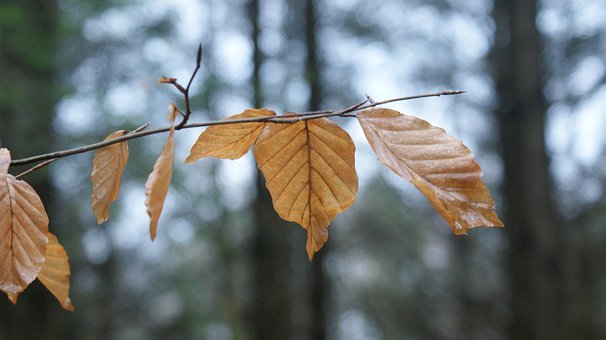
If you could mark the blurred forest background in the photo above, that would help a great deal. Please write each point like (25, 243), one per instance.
(224, 266)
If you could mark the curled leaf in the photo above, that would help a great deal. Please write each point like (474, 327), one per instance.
(158, 182)
(310, 174)
(229, 141)
(54, 274)
(108, 165)
(23, 231)
(439, 165)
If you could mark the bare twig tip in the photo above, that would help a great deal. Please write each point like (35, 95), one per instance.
(369, 98)
(199, 56)
(453, 92)
(141, 128)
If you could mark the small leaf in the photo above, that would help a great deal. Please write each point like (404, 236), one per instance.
(23, 231)
(108, 165)
(229, 141)
(165, 80)
(310, 174)
(54, 274)
(439, 165)
(158, 182)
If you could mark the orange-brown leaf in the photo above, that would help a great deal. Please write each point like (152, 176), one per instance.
(439, 165)
(165, 80)
(229, 141)
(54, 274)
(310, 174)
(158, 182)
(108, 165)
(23, 231)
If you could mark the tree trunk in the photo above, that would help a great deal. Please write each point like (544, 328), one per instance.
(313, 72)
(535, 250)
(27, 60)
(271, 300)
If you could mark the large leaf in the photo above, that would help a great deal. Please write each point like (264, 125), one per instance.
(108, 165)
(23, 231)
(54, 274)
(309, 171)
(229, 141)
(158, 182)
(439, 165)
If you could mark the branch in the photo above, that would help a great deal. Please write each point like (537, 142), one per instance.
(185, 90)
(273, 119)
(34, 168)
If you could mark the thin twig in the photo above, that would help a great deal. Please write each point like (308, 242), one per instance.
(32, 169)
(198, 61)
(438, 94)
(273, 119)
(370, 100)
(186, 93)
(141, 128)
(185, 90)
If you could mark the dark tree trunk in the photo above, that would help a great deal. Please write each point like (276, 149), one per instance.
(271, 300)
(535, 251)
(28, 31)
(313, 73)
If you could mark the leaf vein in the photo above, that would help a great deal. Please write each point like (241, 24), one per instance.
(274, 155)
(290, 181)
(328, 147)
(294, 154)
(335, 172)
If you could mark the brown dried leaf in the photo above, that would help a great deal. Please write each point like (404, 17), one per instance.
(166, 80)
(23, 231)
(158, 182)
(229, 141)
(54, 274)
(310, 173)
(108, 165)
(439, 165)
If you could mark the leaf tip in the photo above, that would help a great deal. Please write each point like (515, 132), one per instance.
(152, 232)
(460, 232)
(497, 222)
(101, 219)
(312, 247)
(190, 159)
(310, 254)
(13, 297)
(67, 305)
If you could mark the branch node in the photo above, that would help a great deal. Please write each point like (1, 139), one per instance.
(370, 100)
(37, 167)
(141, 128)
